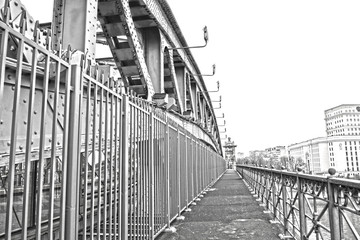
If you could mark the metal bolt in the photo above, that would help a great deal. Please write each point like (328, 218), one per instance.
(35, 112)
(8, 143)
(24, 100)
(21, 147)
(1, 122)
(49, 139)
(50, 96)
(13, 87)
(25, 122)
(35, 132)
(9, 77)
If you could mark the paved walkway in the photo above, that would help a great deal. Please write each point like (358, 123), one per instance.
(228, 211)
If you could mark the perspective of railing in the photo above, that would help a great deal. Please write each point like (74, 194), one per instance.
(79, 158)
(308, 206)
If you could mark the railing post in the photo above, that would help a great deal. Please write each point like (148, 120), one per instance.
(301, 198)
(178, 169)
(284, 198)
(334, 218)
(186, 169)
(125, 169)
(167, 170)
(152, 177)
(72, 193)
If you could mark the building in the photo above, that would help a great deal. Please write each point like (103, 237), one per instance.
(314, 153)
(275, 153)
(340, 149)
(343, 120)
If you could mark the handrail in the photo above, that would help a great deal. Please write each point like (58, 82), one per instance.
(306, 205)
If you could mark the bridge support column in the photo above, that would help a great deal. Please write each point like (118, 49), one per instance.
(154, 57)
(75, 24)
(181, 83)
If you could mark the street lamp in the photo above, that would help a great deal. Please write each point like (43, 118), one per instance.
(223, 124)
(223, 115)
(218, 107)
(217, 101)
(206, 38)
(218, 87)
(208, 75)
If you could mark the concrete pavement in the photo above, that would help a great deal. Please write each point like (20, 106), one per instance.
(227, 211)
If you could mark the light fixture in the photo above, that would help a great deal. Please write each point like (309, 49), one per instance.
(217, 101)
(208, 75)
(206, 38)
(218, 107)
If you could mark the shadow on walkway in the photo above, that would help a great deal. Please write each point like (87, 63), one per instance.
(228, 211)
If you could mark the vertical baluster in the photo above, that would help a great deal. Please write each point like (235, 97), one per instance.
(86, 156)
(125, 133)
(65, 147)
(93, 160)
(28, 165)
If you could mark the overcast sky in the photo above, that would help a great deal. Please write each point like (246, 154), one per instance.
(280, 63)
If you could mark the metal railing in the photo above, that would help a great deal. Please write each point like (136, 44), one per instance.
(308, 206)
(79, 159)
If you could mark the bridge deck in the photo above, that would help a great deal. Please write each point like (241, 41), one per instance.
(228, 211)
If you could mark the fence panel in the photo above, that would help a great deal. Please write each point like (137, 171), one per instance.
(81, 159)
(308, 206)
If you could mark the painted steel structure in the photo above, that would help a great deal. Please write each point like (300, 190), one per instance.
(84, 155)
(308, 206)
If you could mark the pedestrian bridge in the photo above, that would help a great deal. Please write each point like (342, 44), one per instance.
(124, 146)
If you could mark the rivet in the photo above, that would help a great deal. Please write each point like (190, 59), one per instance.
(25, 122)
(32, 142)
(35, 112)
(9, 77)
(21, 147)
(49, 139)
(24, 100)
(13, 87)
(58, 143)
(8, 143)
(63, 104)
(62, 97)
(50, 96)
(1, 121)
(35, 132)
(58, 114)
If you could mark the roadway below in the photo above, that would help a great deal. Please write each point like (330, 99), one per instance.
(227, 211)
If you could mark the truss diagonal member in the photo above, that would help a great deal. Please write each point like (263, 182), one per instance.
(170, 60)
(116, 20)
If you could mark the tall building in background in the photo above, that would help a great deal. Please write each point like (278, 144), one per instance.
(340, 149)
(343, 120)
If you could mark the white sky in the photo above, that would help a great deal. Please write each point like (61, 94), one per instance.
(280, 63)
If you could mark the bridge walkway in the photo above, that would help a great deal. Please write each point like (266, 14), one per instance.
(227, 211)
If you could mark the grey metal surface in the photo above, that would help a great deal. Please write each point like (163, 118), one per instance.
(307, 206)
